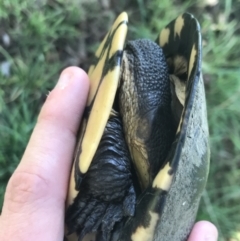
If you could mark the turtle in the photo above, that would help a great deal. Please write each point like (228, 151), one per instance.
(142, 159)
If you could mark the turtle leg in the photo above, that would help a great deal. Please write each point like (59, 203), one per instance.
(106, 192)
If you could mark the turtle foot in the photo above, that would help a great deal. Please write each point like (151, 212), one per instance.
(88, 214)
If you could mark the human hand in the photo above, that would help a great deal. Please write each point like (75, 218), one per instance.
(34, 204)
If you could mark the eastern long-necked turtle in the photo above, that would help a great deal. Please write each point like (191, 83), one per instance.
(142, 160)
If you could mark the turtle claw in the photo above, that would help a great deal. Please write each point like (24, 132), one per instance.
(113, 214)
(93, 220)
(96, 215)
(84, 215)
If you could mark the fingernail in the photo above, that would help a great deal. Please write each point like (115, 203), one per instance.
(211, 236)
(64, 79)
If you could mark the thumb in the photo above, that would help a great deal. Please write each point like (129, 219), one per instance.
(203, 231)
(35, 196)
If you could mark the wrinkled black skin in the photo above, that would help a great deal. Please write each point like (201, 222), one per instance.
(107, 194)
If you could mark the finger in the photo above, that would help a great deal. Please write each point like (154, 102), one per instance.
(35, 196)
(203, 231)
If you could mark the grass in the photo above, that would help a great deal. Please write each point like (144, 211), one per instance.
(221, 67)
(47, 36)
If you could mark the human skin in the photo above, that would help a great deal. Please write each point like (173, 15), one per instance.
(34, 202)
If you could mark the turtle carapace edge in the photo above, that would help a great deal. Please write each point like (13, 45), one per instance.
(142, 158)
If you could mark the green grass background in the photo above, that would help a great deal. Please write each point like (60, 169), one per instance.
(46, 36)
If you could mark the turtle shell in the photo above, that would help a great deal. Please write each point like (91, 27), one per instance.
(166, 208)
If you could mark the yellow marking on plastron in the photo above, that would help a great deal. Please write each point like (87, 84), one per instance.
(179, 23)
(72, 193)
(98, 119)
(163, 180)
(180, 123)
(164, 37)
(139, 157)
(95, 78)
(180, 88)
(179, 64)
(192, 60)
(103, 92)
(146, 234)
(117, 43)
